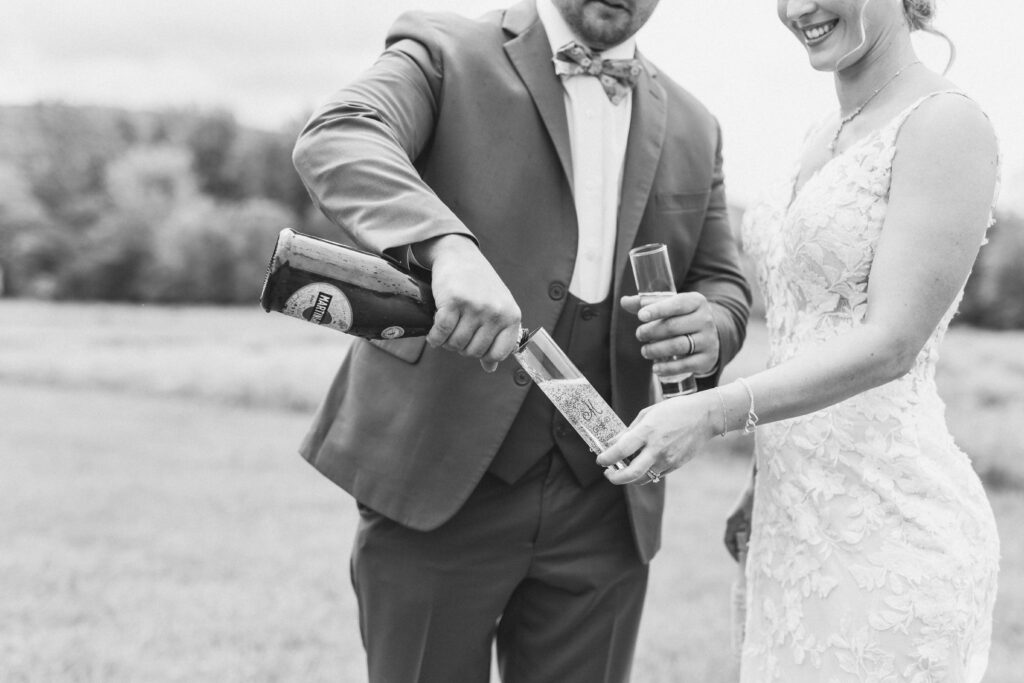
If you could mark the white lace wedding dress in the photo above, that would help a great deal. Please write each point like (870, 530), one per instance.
(874, 551)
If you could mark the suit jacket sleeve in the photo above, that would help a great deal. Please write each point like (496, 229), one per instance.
(716, 273)
(357, 153)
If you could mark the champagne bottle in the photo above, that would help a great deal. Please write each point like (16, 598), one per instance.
(370, 296)
(345, 289)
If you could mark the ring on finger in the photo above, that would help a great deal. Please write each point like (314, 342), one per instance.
(693, 347)
(653, 477)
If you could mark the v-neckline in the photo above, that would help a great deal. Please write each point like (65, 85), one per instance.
(795, 192)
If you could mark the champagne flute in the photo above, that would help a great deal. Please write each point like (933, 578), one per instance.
(654, 281)
(575, 397)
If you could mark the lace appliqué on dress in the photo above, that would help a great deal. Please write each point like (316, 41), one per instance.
(874, 553)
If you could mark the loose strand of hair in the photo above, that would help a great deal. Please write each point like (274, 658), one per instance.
(863, 36)
(949, 41)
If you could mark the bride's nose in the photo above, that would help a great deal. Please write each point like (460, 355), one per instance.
(791, 10)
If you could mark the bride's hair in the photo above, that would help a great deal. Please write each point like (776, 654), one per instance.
(919, 15)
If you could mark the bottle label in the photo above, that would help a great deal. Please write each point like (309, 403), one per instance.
(322, 304)
(393, 332)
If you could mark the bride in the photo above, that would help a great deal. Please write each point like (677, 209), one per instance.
(874, 553)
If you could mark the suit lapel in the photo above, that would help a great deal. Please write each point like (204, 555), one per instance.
(643, 150)
(530, 54)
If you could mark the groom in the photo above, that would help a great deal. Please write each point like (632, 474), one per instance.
(520, 181)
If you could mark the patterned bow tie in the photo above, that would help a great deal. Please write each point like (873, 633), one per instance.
(617, 76)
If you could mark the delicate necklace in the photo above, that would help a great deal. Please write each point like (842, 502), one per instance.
(853, 114)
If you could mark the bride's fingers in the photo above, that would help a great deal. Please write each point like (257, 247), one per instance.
(625, 445)
(637, 471)
(731, 543)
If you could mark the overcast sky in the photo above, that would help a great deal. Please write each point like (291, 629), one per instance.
(270, 62)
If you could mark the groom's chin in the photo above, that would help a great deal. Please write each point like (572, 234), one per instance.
(604, 25)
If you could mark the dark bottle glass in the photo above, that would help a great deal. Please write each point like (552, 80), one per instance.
(345, 289)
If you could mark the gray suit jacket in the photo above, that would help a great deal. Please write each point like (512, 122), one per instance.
(460, 127)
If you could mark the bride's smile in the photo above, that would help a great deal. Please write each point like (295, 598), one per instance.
(818, 32)
(826, 28)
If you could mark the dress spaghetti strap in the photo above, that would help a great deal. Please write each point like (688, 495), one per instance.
(896, 125)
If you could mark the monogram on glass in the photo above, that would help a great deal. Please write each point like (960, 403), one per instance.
(571, 393)
(653, 274)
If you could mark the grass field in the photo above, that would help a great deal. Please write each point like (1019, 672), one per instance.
(156, 524)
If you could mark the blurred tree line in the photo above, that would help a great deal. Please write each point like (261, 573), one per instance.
(994, 296)
(184, 207)
(174, 206)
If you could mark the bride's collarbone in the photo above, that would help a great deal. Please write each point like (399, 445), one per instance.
(816, 153)
(883, 111)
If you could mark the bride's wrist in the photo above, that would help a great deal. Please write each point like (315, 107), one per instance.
(736, 408)
(716, 416)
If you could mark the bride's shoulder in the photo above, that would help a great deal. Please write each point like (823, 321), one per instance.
(946, 151)
(946, 119)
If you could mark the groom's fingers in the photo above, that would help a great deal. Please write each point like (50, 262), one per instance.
(446, 319)
(683, 303)
(630, 304)
(670, 357)
(682, 344)
(700, 364)
(684, 313)
(670, 328)
(502, 345)
(676, 347)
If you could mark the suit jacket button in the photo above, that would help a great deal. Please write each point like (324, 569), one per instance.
(521, 377)
(588, 313)
(556, 290)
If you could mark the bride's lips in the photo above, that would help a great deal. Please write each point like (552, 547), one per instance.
(614, 4)
(816, 33)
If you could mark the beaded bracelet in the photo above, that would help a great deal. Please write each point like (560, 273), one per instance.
(752, 418)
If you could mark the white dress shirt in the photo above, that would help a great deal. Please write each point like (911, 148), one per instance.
(598, 131)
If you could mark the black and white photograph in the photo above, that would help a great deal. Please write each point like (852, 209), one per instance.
(515, 341)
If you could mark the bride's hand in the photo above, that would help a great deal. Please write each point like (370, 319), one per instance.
(664, 437)
(741, 520)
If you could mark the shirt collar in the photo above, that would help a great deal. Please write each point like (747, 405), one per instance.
(559, 33)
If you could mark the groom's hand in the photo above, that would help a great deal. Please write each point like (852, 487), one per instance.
(668, 325)
(476, 314)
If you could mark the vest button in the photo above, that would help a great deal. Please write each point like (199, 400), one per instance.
(521, 377)
(556, 290)
(562, 431)
(588, 313)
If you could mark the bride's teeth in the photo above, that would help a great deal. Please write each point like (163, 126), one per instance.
(816, 32)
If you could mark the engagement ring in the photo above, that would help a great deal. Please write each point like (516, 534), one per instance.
(653, 476)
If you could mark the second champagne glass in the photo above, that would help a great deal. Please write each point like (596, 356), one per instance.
(653, 274)
(576, 398)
